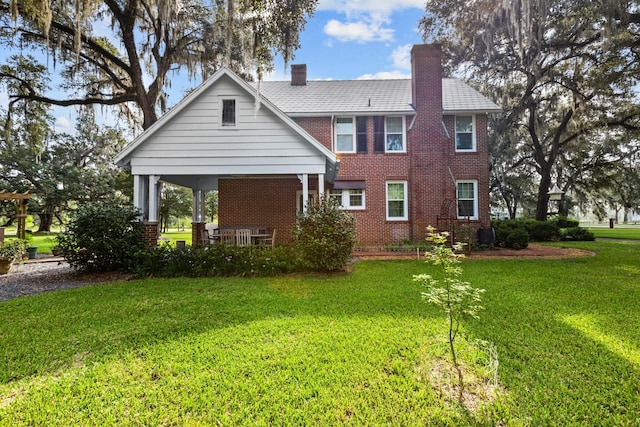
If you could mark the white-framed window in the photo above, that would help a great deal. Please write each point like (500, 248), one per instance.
(397, 201)
(467, 194)
(394, 135)
(465, 133)
(228, 112)
(345, 135)
(349, 198)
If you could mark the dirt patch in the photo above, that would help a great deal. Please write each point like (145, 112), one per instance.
(531, 252)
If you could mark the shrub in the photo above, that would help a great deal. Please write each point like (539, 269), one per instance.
(577, 233)
(539, 231)
(102, 236)
(543, 231)
(564, 222)
(325, 236)
(216, 260)
(517, 239)
(504, 228)
(13, 249)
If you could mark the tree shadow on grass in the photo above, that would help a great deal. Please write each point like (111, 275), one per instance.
(567, 337)
(45, 333)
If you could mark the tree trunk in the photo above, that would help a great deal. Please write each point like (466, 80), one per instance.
(542, 206)
(46, 219)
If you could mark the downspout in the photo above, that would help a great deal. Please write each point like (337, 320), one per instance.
(410, 183)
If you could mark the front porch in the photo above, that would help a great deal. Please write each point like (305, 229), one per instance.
(223, 136)
(272, 202)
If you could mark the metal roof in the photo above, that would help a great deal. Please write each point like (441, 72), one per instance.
(326, 97)
(459, 97)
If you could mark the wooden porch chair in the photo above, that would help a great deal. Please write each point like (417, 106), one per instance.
(205, 239)
(228, 236)
(267, 242)
(243, 237)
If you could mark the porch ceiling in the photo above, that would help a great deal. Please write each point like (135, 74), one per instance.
(210, 182)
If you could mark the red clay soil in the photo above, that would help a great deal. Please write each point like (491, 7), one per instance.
(531, 252)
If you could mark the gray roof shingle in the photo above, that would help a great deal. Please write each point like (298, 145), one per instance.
(326, 97)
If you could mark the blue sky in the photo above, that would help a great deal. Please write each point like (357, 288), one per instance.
(351, 39)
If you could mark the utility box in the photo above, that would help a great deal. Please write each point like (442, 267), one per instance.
(612, 222)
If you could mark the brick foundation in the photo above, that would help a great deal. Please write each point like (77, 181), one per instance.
(150, 236)
(196, 233)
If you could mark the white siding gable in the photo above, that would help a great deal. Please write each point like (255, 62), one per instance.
(192, 141)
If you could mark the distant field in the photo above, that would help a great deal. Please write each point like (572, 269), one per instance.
(620, 232)
(45, 242)
(173, 236)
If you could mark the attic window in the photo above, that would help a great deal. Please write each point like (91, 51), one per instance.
(228, 112)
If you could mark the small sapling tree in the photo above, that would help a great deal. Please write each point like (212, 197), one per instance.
(458, 299)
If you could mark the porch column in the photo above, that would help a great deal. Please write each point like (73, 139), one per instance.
(139, 193)
(153, 198)
(151, 226)
(198, 206)
(320, 186)
(198, 217)
(305, 191)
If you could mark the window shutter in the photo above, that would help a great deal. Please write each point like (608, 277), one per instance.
(378, 134)
(361, 134)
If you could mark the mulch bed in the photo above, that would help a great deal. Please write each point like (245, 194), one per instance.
(531, 252)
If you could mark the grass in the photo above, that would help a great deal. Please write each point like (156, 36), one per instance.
(45, 242)
(617, 233)
(351, 349)
(173, 236)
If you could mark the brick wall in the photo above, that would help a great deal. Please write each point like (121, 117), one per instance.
(196, 233)
(269, 202)
(150, 236)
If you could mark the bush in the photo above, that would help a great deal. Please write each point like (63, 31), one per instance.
(539, 231)
(102, 236)
(504, 228)
(564, 222)
(325, 235)
(13, 249)
(577, 233)
(517, 239)
(543, 231)
(215, 261)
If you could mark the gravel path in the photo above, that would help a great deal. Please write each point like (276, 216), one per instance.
(36, 278)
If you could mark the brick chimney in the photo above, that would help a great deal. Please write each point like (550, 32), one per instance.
(298, 74)
(426, 80)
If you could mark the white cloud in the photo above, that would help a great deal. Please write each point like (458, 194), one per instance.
(365, 20)
(401, 57)
(368, 6)
(62, 125)
(358, 31)
(385, 75)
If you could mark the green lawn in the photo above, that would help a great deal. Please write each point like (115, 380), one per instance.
(45, 242)
(172, 236)
(351, 349)
(617, 233)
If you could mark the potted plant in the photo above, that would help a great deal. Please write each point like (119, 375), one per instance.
(10, 252)
(33, 252)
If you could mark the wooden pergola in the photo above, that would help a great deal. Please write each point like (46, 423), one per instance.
(22, 200)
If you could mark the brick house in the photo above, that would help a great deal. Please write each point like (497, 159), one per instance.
(398, 154)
